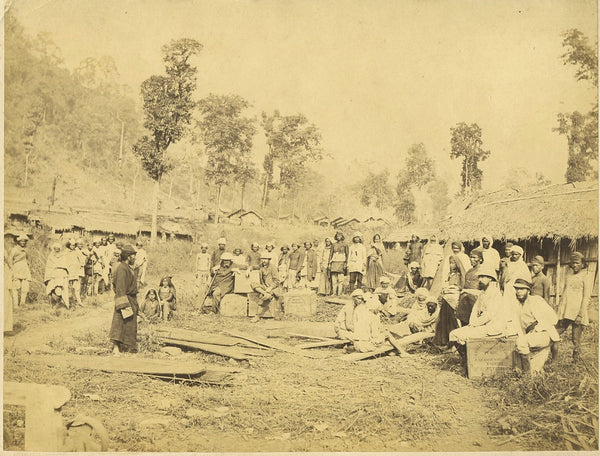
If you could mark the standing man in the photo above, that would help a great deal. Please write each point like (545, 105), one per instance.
(295, 266)
(490, 254)
(357, 261)
(141, 263)
(253, 258)
(21, 275)
(540, 284)
(536, 322)
(268, 287)
(504, 264)
(74, 266)
(215, 258)
(123, 331)
(82, 256)
(202, 269)
(309, 269)
(516, 268)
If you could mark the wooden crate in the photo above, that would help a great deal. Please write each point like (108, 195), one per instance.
(301, 303)
(233, 305)
(490, 356)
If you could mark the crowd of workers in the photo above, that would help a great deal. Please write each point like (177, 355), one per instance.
(482, 294)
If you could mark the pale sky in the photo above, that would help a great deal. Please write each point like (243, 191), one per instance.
(375, 76)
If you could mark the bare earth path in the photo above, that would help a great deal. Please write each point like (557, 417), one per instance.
(278, 403)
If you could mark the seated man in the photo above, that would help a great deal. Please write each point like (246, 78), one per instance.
(344, 323)
(268, 287)
(536, 323)
(422, 320)
(222, 283)
(368, 333)
(470, 292)
(417, 301)
(387, 297)
(486, 318)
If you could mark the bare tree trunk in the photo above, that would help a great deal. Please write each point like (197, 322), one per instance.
(293, 205)
(170, 187)
(135, 176)
(26, 169)
(281, 194)
(243, 206)
(53, 195)
(121, 145)
(218, 208)
(265, 194)
(154, 226)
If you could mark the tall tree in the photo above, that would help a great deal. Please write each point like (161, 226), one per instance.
(168, 105)
(227, 137)
(420, 169)
(293, 143)
(581, 130)
(375, 189)
(467, 144)
(438, 192)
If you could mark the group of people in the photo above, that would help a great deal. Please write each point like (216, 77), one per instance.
(483, 295)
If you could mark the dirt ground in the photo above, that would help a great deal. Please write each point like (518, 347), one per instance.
(282, 402)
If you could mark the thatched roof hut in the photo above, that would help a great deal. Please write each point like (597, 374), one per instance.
(551, 221)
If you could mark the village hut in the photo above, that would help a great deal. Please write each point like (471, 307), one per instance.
(322, 221)
(234, 217)
(399, 238)
(551, 221)
(251, 218)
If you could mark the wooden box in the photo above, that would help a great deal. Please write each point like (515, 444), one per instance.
(233, 305)
(242, 283)
(489, 356)
(301, 303)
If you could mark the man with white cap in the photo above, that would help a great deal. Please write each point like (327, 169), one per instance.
(515, 268)
(487, 317)
(21, 275)
(344, 322)
(215, 258)
(203, 263)
(368, 332)
(268, 287)
(536, 322)
(387, 296)
(490, 255)
(357, 261)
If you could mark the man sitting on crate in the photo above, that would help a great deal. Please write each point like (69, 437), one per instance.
(488, 317)
(536, 322)
(268, 287)
(222, 282)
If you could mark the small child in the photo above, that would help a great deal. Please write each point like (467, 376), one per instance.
(573, 307)
(151, 306)
(167, 298)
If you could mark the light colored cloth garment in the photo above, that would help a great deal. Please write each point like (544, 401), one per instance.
(488, 317)
(534, 310)
(575, 299)
(490, 255)
(72, 259)
(368, 332)
(203, 262)
(344, 322)
(433, 254)
(422, 320)
(357, 258)
(515, 270)
(17, 260)
(374, 265)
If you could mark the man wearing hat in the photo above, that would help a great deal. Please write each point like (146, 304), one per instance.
(223, 281)
(536, 322)
(268, 287)
(345, 320)
(215, 258)
(203, 263)
(21, 275)
(123, 331)
(516, 268)
(540, 283)
(487, 317)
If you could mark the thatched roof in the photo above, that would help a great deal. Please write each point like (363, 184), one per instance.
(107, 226)
(405, 233)
(251, 212)
(557, 211)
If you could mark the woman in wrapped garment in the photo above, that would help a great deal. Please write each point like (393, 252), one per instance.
(453, 284)
(375, 263)
(123, 331)
(433, 254)
(325, 277)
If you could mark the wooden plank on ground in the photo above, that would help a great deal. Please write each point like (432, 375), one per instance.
(129, 364)
(340, 301)
(268, 343)
(308, 336)
(196, 336)
(352, 357)
(236, 352)
(416, 337)
(324, 343)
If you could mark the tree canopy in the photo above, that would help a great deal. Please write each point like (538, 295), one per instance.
(466, 143)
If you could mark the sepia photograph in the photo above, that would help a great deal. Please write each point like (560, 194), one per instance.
(239, 226)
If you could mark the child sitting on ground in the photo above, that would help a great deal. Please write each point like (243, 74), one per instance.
(167, 298)
(151, 306)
